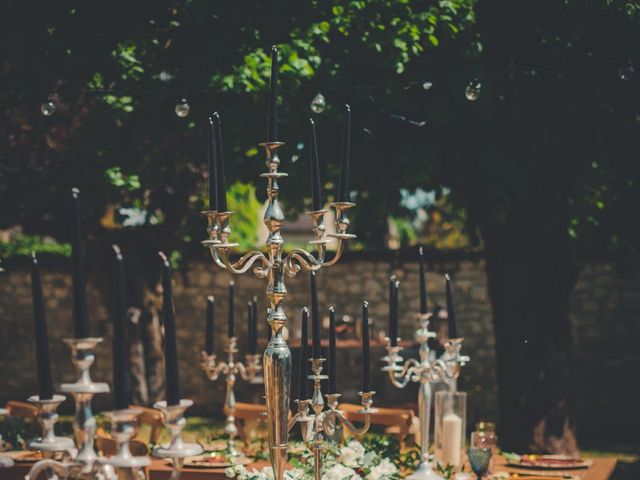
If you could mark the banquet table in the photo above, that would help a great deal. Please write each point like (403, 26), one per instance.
(602, 469)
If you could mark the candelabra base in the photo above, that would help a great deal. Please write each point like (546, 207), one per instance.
(424, 472)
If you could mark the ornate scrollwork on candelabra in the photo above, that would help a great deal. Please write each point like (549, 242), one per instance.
(249, 372)
(314, 426)
(273, 266)
(425, 371)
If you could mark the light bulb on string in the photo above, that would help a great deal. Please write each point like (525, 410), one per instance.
(472, 91)
(625, 71)
(182, 108)
(48, 107)
(318, 104)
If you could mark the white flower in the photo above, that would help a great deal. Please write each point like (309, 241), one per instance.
(229, 472)
(352, 455)
(340, 472)
(385, 468)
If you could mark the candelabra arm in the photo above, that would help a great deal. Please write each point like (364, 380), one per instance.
(337, 255)
(250, 371)
(211, 367)
(244, 263)
(334, 414)
(60, 469)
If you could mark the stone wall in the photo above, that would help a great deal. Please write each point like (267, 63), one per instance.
(605, 314)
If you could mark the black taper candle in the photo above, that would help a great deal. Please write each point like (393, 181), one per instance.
(393, 325)
(423, 283)
(43, 359)
(316, 192)
(210, 318)
(366, 373)
(221, 189)
(80, 316)
(213, 167)
(121, 377)
(253, 348)
(230, 317)
(315, 318)
(249, 328)
(172, 373)
(343, 188)
(272, 128)
(332, 350)
(304, 354)
(451, 310)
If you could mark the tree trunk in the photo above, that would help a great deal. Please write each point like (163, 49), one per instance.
(531, 274)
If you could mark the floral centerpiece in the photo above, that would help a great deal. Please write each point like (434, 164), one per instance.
(351, 461)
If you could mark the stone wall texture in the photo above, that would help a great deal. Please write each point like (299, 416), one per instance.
(605, 316)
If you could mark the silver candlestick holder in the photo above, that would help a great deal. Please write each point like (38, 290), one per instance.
(85, 464)
(177, 449)
(426, 371)
(249, 372)
(83, 390)
(273, 266)
(48, 443)
(124, 426)
(122, 466)
(321, 423)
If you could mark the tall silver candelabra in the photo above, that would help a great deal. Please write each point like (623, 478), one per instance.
(86, 463)
(230, 369)
(314, 426)
(272, 266)
(445, 369)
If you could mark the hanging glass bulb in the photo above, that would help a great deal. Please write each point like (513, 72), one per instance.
(318, 104)
(625, 72)
(472, 92)
(182, 108)
(48, 107)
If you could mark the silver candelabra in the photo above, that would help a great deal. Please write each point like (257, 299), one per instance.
(273, 266)
(314, 426)
(83, 461)
(429, 369)
(249, 372)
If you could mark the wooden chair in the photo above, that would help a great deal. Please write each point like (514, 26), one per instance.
(397, 420)
(153, 418)
(16, 408)
(250, 414)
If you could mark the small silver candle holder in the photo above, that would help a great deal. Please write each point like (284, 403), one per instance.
(314, 426)
(123, 429)
(444, 369)
(177, 450)
(47, 417)
(231, 369)
(83, 390)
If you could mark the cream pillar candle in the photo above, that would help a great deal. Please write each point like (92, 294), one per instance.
(451, 439)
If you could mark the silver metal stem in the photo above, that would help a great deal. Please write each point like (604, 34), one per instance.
(273, 266)
(445, 369)
(177, 450)
(231, 368)
(83, 390)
